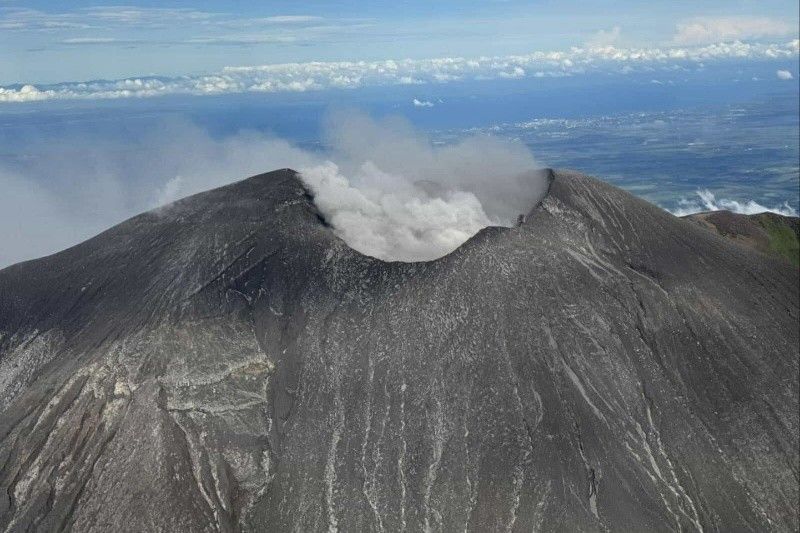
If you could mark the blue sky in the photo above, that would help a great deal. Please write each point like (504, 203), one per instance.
(48, 42)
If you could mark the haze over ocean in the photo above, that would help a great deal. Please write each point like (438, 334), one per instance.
(730, 131)
(107, 111)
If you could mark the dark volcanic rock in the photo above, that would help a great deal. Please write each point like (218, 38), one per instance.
(227, 363)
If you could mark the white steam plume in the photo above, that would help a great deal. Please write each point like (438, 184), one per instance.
(393, 222)
(386, 190)
(390, 193)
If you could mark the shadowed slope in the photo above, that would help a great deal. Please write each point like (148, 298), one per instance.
(227, 363)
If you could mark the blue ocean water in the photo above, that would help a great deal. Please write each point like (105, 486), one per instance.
(743, 151)
(738, 138)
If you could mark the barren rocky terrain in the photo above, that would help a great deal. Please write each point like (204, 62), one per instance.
(227, 363)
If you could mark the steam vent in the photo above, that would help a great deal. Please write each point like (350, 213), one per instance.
(227, 363)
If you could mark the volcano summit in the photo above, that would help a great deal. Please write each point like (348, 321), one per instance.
(228, 363)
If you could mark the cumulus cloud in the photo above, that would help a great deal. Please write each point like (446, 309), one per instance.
(422, 103)
(784, 75)
(710, 30)
(387, 191)
(298, 77)
(707, 201)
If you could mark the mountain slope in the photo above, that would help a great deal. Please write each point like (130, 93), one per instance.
(766, 232)
(227, 363)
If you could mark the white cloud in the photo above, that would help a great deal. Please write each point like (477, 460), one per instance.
(105, 17)
(31, 19)
(287, 19)
(604, 38)
(294, 77)
(518, 72)
(784, 75)
(282, 22)
(239, 40)
(99, 17)
(90, 40)
(223, 40)
(141, 16)
(26, 93)
(710, 30)
(422, 103)
(709, 202)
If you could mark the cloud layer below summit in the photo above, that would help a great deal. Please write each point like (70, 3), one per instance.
(598, 56)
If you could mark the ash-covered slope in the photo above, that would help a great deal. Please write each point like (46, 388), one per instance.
(227, 363)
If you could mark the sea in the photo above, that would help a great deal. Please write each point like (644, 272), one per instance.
(734, 135)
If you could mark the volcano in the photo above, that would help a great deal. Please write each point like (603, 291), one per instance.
(227, 363)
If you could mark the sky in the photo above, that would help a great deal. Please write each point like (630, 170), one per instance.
(46, 42)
